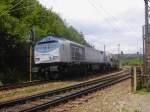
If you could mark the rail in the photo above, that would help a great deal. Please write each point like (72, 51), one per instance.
(53, 97)
(21, 85)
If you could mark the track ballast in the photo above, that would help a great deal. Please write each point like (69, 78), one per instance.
(22, 85)
(51, 98)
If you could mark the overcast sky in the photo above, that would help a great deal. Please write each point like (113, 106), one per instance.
(109, 22)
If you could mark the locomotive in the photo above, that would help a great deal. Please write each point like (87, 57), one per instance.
(56, 57)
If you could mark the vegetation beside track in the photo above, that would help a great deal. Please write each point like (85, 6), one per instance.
(143, 91)
(131, 61)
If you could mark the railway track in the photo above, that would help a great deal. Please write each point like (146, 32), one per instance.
(51, 98)
(22, 85)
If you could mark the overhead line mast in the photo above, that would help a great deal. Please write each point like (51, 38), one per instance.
(147, 44)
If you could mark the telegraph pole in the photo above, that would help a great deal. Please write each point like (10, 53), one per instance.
(147, 44)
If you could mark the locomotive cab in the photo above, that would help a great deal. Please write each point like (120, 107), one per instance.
(46, 51)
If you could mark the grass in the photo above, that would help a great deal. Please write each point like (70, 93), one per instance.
(6, 95)
(143, 91)
(137, 111)
(131, 61)
(1, 84)
(124, 109)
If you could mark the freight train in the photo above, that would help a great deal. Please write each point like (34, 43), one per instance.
(56, 57)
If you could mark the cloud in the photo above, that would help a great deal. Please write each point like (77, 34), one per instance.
(104, 21)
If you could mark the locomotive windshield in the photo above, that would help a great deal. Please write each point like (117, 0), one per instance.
(46, 46)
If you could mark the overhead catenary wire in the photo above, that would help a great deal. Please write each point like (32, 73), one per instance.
(114, 26)
(113, 17)
(4, 12)
(105, 19)
(13, 1)
(12, 10)
(29, 6)
(23, 8)
(114, 20)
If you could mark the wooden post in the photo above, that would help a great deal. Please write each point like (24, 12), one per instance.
(31, 41)
(30, 74)
(134, 79)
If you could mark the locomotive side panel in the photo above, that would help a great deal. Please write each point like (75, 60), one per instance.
(93, 56)
(77, 53)
(64, 52)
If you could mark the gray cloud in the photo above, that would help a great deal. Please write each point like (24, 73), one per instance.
(125, 28)
(127, 31)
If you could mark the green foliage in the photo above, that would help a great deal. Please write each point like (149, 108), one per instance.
(123, 109)
(16, 19)
(143, 91)
(131, 61)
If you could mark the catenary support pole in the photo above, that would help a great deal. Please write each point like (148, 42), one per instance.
(146, 74)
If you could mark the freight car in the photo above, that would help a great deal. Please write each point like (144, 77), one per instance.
(56, 57)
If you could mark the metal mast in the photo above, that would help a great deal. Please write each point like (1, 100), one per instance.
(147, 43)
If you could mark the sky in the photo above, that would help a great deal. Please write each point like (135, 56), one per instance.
(104, 22)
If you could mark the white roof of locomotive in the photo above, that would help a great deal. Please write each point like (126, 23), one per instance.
(49, 38)
(64, 41)
(61, 40)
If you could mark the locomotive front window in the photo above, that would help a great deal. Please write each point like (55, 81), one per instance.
(44, 47)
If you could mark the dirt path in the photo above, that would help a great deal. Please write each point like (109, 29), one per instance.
(145, 103)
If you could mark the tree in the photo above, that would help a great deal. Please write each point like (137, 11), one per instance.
(16, 19)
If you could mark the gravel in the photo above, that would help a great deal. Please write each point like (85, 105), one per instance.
(110, 99)
(27, 91)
